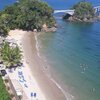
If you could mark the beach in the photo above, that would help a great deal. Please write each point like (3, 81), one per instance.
(60, 65)
(46, 89)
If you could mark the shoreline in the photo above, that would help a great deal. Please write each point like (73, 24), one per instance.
(50, 90)
(46, 70)
(46, 87)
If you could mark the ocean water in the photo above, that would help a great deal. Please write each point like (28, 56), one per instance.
(4, 3)
(72, 53)
(73, 58)
(63, 4)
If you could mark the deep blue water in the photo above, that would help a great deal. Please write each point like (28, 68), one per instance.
(72, 53)
(4, 3)
(63, 4)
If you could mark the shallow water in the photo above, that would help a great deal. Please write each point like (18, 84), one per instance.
(73, 56)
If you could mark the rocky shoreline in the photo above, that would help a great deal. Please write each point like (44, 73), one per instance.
(75, 19)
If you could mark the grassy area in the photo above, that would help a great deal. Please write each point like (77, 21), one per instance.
(3, 92)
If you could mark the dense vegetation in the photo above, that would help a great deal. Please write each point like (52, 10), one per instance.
(10, 55)
(3, 94)
(26, 15)
(84, 10)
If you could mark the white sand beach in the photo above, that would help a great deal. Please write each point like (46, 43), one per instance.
(36, 83)
(30, 85)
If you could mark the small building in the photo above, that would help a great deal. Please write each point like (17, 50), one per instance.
(18, 88)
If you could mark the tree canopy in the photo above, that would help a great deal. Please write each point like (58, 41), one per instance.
(11, 56)
(26, 15)
(84, 10)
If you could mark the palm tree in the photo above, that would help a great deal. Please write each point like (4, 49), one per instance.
(10, 56)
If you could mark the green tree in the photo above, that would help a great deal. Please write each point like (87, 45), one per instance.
(84, 10)
(26, 15)
(3, 30)
(10, 56)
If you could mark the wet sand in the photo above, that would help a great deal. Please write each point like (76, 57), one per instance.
(49, 89)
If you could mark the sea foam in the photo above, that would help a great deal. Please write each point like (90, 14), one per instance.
(67, 95)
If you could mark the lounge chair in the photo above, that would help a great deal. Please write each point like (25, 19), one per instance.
(26, 85)
(35, 95)
(22, 78)
(32, 94)
(20, 72)
(21, 81)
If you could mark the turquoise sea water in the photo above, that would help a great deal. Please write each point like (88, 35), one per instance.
(72, 54)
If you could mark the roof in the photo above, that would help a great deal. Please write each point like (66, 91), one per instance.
(17, 86)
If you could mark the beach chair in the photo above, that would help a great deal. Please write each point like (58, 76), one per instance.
(21, 81)
(19, 76)
(23, 78)
(34, 95)
(20, 72)
(26, 85)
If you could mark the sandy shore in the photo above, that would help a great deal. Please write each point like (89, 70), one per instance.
(46, 88)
